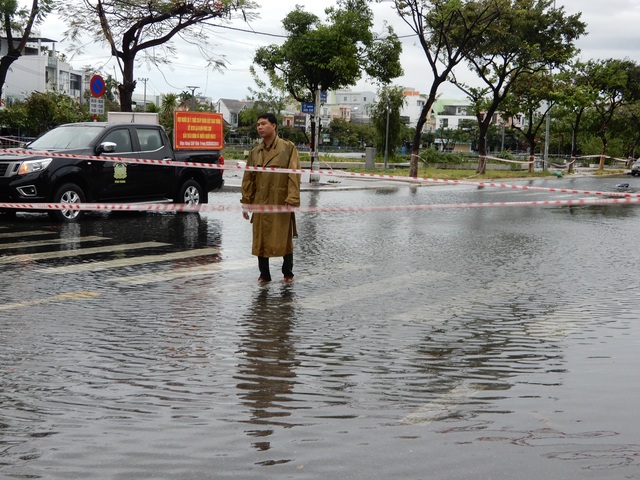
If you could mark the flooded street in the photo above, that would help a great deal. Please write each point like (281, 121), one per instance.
(473, 343)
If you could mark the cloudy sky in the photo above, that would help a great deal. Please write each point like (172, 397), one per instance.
(612, 28)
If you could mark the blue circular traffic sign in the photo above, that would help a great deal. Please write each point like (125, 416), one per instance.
(97, 86)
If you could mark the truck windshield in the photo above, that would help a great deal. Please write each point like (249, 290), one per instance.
(66, 137)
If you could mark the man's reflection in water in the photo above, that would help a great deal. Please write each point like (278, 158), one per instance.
(266, 378)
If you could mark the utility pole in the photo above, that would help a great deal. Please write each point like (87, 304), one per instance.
(548, 125)
(193, 98)
(145, 80)
(386, 138)
(314, 177)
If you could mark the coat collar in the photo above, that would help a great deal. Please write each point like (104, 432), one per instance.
(268, 155)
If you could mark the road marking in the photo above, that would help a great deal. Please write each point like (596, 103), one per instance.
(62, 296)
(57, 241)
(184, 272)
(28, 257)
(371, 289)
(442, 406)
(128, 262)
(32, 233)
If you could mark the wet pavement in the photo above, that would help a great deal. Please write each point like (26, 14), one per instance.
(485, 343)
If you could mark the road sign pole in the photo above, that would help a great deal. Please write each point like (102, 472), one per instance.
(315, 165)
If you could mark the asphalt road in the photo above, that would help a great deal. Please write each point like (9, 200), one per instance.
(452, 343)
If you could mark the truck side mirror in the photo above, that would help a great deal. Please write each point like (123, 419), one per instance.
(106, 147)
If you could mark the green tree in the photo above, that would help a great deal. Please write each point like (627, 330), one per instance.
(575, 97)
(40, 112)
(385, 115)
(347, 134)
(328, 56)
(532, 96)
(293, 134)
(447, 31)
(626, 127)
(133, 27)
(617, 83)
(169, 105)
(247, 119)
(20, 20)
(270, 95)
(528, 37)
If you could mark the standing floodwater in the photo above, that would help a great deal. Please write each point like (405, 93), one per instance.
(488, 343)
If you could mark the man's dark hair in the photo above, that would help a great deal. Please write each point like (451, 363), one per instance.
(270, 117)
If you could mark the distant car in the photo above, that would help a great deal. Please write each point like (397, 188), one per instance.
(635, 168)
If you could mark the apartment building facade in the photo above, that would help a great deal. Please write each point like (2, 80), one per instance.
(40, 69)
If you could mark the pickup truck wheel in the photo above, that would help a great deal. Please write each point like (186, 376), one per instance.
(67, 193)
(190, 193)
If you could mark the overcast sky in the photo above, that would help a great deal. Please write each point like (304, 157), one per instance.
(612, 28)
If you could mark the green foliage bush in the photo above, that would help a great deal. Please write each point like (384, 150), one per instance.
(41, 112)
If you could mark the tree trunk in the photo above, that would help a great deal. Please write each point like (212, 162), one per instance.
(603, 153)
(5, 64)
(482, 148)
(532, 160)
(128, 85)
(574, 139)
(532, 151)
(417, 137)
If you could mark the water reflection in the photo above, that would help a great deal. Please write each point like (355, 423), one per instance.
(266, 377)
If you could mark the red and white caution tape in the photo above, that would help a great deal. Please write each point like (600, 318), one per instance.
(173, 207)
(334, 173)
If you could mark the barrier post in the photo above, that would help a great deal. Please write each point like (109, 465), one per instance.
(370, 158)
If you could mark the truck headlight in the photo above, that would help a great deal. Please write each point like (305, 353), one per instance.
(30, 166)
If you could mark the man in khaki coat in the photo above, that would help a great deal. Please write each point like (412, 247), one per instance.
(272, 232)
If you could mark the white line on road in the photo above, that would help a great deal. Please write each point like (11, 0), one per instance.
(378, 288)
(32, 233)
(442, 406)
(128, 262)
(55, 298)
(184, 272)
(29, 257)
(57, 241)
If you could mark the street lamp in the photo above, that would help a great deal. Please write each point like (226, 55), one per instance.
(193, 98)
(145, 80)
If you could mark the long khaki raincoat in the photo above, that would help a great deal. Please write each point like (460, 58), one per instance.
(272, 232)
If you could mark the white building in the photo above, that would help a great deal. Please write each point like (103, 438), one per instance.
(230, 109)
(414, 102)
(38, 70)
(348, 105)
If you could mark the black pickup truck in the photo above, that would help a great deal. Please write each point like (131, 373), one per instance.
(60, 179)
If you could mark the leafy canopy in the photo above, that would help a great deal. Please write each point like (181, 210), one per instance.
(332, 55)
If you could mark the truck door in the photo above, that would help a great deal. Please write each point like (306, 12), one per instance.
(157, 180)
(118, 179)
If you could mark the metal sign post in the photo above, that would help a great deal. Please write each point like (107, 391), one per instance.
(97, 86)
(315, 165)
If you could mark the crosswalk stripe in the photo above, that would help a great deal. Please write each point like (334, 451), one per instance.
(380, 287)
(128, 262)
(55, 298)
(184, 272)
(28, 257)
(31, 233)
(43, 243)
